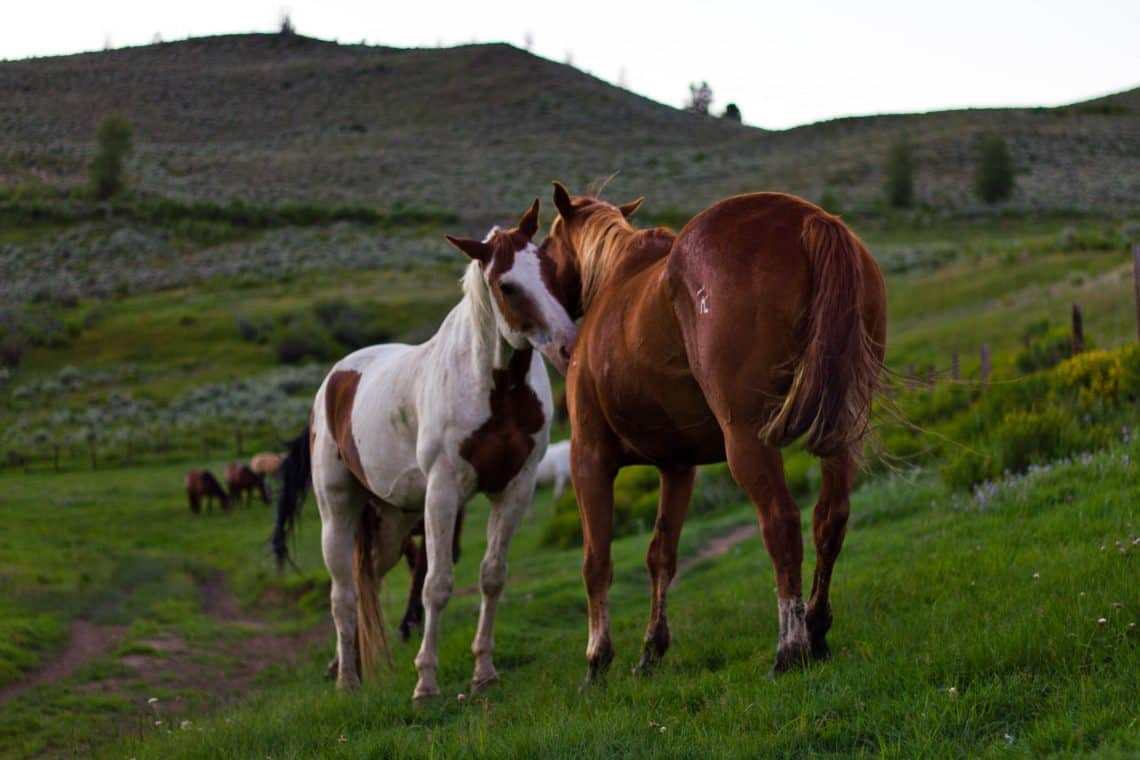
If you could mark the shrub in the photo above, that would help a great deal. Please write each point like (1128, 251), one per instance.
(635, 508)
(1025, 438)
(700, 98)
(1046, 351)
(900, 174)
(352, 326)
(714, 489)
(731, 113)
(994, 178)
(305, 339)
(112, 145)
(1095, 377)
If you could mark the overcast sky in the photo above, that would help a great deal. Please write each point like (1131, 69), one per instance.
(783, 63)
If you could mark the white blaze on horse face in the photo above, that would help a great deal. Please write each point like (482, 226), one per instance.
(556, 333)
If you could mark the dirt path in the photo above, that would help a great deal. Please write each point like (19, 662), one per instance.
(86, 641)
(168, 661)
(717, 547)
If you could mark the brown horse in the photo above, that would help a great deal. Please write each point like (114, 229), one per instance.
(265, 463)
(240, 479)
(762, 322)
(202, 484)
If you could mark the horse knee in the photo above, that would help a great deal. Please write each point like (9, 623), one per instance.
(437, 589)
(492, 576)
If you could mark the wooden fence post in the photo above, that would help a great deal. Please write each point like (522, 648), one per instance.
(985, 363)
(954, 366)
(1078, 330)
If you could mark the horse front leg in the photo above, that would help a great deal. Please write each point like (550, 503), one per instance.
(593, 476)
(759, 469)
(441, 505)
(676, 493)
(829, 526)
(506, 510)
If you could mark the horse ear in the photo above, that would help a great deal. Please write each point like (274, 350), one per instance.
(627, 209)
(562, 200)
(528, 225)
(476, 249)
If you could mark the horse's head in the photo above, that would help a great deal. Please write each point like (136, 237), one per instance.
(579, 239)
(519, 276)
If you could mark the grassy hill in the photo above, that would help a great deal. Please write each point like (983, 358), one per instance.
(165, 332)
(478, 130)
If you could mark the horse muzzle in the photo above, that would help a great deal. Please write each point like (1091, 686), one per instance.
(556, 350)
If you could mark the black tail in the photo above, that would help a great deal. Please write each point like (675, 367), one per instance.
(296, 472)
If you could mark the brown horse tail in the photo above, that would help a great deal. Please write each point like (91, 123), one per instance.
(371, 637)
(837, 375)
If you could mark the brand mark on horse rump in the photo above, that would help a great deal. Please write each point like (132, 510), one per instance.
(340, 393)
(498, 449)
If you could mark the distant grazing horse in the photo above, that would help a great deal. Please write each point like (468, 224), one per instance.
(762, 322)
(240, 479)
(403, 433)
(202, 484)
(265, 463)
(554, 469)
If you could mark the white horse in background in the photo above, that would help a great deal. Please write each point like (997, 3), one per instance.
(400, 433)
(554, 469)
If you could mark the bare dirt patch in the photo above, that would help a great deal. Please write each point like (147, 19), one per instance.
(717, 547)
(208, 673)
(86, 641)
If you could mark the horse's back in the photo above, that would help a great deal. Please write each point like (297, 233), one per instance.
(745, 277)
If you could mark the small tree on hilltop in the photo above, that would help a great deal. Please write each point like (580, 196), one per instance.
(700, 98)
(994, 179)
(731, 112)
(285, 25)
(900, 174)
(112, 146)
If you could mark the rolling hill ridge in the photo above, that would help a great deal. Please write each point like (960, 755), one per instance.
(481, 129)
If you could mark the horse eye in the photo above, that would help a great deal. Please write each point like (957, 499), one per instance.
(508, 289)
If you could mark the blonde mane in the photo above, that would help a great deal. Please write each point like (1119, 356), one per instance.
(477, 296)
(600, 242)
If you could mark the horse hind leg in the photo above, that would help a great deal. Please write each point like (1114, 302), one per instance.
(417, 563)
(829, 526)
(759, 469)
(676, 493)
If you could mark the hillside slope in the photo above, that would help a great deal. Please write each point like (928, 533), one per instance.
(483, 128)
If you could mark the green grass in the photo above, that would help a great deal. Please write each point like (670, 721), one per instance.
(934, 590)
(995, 596)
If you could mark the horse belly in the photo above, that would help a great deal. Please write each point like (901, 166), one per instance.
(384, 428)
(662, 418)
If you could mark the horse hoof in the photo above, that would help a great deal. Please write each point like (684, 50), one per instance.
(484, 683)
(347, 685)
(789, 658)
(820, 651)
(422, 696)
(648, 663)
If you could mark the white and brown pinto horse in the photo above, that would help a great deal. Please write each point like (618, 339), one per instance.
(762, 322)
(403, 433)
